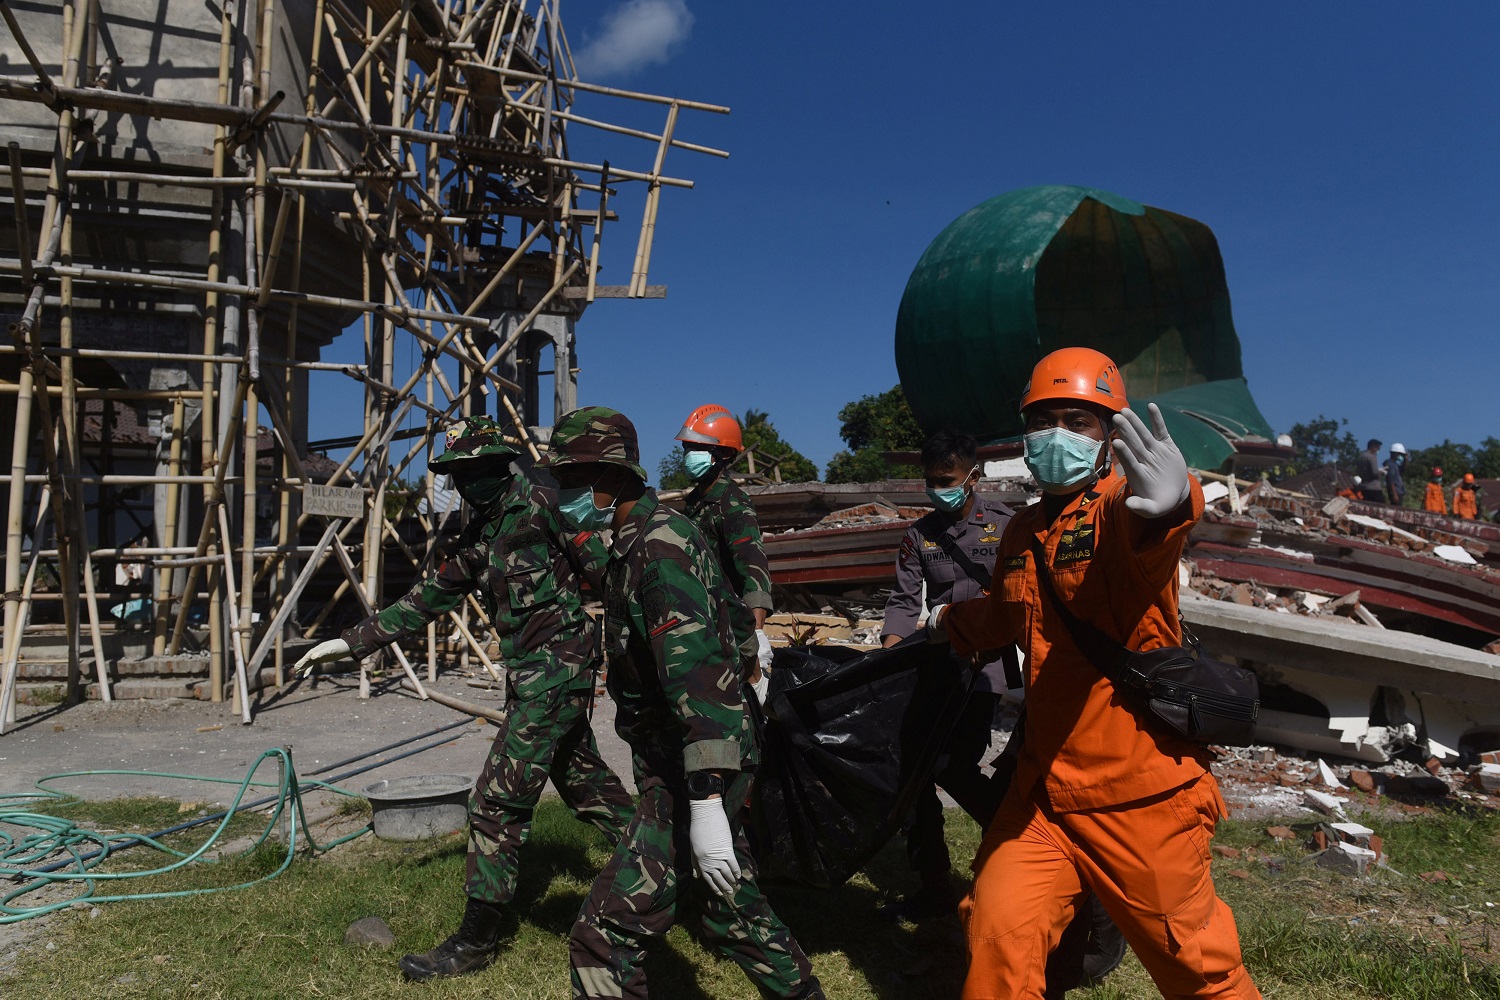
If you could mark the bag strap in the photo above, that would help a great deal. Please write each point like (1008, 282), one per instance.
(1107, 655)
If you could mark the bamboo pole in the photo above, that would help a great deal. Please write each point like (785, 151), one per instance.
(22, 613)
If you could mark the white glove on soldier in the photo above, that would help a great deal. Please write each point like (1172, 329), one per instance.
(1154, 468)
(713, 846)
(762, 687)
(934, 632)
(333, 649)
(763, 650)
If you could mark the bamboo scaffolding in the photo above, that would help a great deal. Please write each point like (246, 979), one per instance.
(401, 131)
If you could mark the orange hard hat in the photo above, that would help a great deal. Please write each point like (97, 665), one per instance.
(712, 424)
(1468, 477)
(1080, 373)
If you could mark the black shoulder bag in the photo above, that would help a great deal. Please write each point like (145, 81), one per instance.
(1200, 699)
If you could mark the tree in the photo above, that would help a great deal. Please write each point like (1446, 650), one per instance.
(870, 426)
(1319, 443)
(760, 434)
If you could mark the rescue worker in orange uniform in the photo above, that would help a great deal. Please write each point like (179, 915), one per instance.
(1466, 498)
(1434, 501)
(1102, 800)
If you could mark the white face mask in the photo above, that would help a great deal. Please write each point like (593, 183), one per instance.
(1061, 460)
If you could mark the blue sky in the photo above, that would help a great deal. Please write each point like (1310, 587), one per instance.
(1346, 156)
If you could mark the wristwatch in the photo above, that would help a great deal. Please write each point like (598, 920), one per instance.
(704, 784)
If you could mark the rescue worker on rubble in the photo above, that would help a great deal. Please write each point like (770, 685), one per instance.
(711, 441)
(678, 687)
(1435, 502)
(1371, 473)
(1394, 485)
(1350, 492)
(1102, 800)
(1466, 498)
(526, 572)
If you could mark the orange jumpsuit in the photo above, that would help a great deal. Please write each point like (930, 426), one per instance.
(1434, 500)
(1466, 503)
(1099, 800)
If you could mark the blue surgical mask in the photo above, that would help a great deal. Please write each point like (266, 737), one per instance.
(950, 498)
(698, 464)
(580, 513)
(1061, 460)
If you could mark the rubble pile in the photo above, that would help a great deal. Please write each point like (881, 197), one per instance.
(870, 513)
(1295, 516)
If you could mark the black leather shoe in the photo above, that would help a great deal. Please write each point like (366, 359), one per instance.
(470, 949)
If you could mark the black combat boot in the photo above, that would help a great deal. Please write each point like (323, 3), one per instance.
(471, 948)
(811, 990)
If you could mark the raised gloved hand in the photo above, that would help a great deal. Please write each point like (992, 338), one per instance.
(935, 632)
(761, 686)
(1154, 468)
(763, 650)
(333, 649)
(713, 846)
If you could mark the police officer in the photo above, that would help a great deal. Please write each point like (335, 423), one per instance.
(526, 571)
(711, 440)
(675, 680)
(952, 553)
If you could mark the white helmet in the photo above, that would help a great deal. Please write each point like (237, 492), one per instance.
(1398, 448)
(1357, 480)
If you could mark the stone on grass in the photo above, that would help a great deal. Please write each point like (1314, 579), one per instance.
(370, 932)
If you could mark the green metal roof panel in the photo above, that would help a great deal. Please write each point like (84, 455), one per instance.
(1046, 267)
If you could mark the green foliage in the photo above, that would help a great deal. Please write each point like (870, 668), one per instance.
(761, 435)
(402, 497)
(870, 426)
(672, 474)
(1319, 442)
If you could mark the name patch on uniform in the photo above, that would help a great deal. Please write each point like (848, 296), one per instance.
(525, 538)
(1015, 562)
(1075, 545)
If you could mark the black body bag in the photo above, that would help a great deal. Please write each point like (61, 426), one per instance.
(849, 740)
(1201, 699)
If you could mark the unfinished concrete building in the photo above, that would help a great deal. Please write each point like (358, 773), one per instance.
(199, 199)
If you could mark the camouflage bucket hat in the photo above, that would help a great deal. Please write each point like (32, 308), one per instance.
(595, 434)
(472, 437)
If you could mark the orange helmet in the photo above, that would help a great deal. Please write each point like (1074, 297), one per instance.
(1079, 373)
(712, 424)
(1468, 477)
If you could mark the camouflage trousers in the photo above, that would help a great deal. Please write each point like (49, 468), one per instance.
(547, 736)
(636, 896)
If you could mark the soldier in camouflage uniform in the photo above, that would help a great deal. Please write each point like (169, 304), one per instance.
(711, 440)
(526, 571)
(679, 703)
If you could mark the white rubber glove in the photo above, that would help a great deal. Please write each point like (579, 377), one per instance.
(935, 632)
(763, 650)
(1154, 468)
(761, 687)
(333, 649)
(713, 846)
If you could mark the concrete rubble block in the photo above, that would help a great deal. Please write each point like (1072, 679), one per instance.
(1353, 833)
(369, 932)
(1347, 858)
(1323, 802)
(1336, 508)
(1486, 778)
(1327, 776)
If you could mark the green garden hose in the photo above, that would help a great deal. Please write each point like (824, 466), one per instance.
(24, 858)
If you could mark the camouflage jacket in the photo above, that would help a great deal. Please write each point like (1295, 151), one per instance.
(526, 573)
(724, 515)
(673, 670)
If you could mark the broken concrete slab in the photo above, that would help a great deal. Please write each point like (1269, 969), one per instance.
(1349, 858)
(1323, 802)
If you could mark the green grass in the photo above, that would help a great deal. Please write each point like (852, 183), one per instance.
(1308, 934)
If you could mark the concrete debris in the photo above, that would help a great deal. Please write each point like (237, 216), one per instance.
(818, 629)
(1323, 802)
(1486, 777)
(1347, 858)
(871, 513)
(1455, 553)
(1330, 779)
